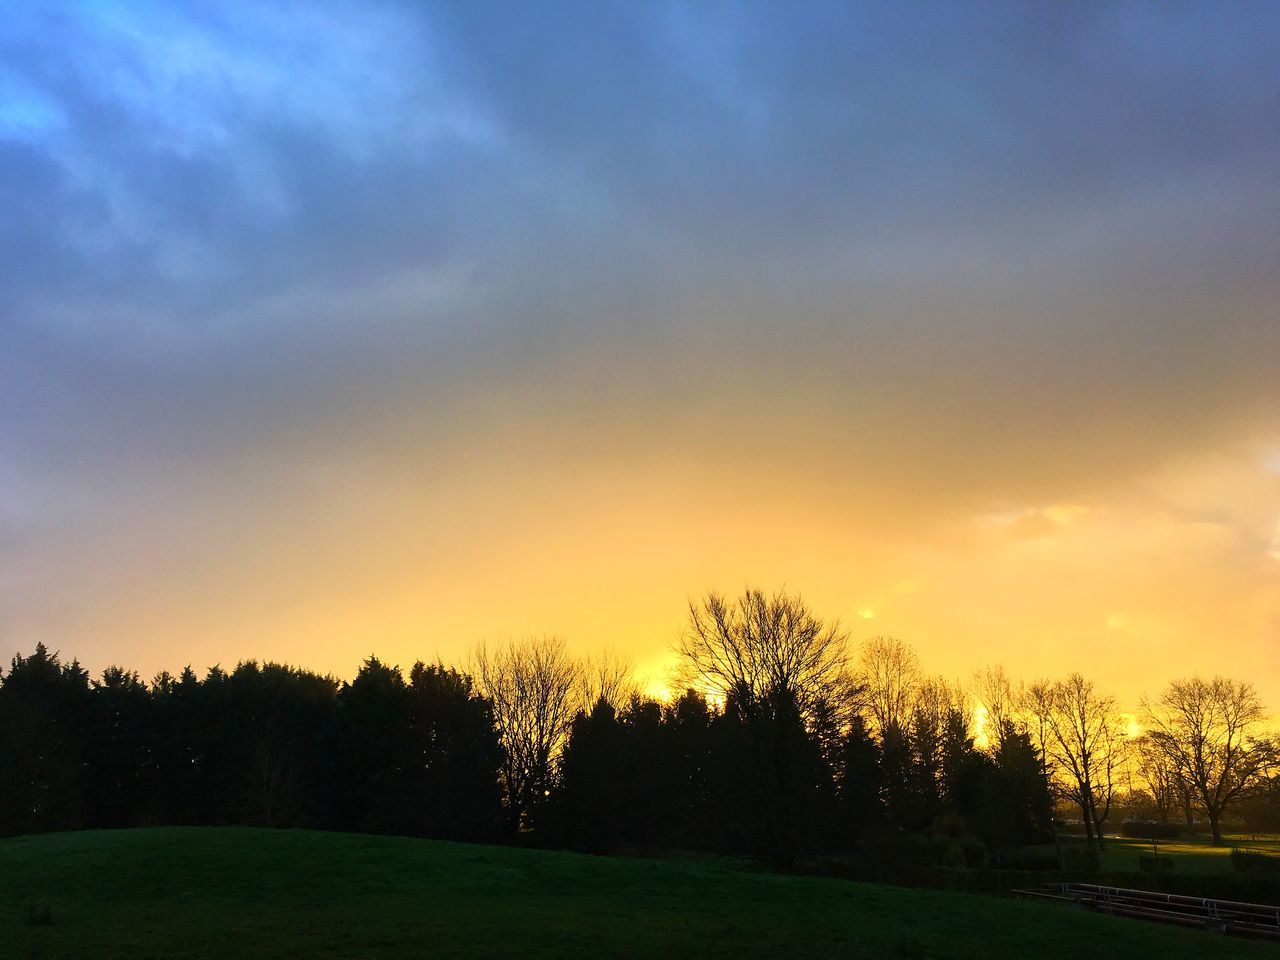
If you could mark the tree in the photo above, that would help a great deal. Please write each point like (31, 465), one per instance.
(178, 768)
(1085, 743)
(1210, 732)
(1035, 702)
(937, 725)
(533, 687)
(858, 784)
(999, 700)
(782, 674)
(765, 646)
(452, 776)
(45, 716)
(1158, 775)
(118, 750)
(376, 750)
(1027, 803)
(595, 791)
(281, 720)
(606, 677)
(889, 677)
(689, 735)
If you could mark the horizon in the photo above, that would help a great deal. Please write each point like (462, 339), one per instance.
(393, 328)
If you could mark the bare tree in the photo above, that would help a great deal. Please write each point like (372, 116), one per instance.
(1158, 775)
(936, 700)
(999, 699)
(606, 676)
(766, 646)
(889, 675)
(1086, 746)
(1035, 702)
(534, 686)
(784, 674)
(939, 712)
(1210, 732)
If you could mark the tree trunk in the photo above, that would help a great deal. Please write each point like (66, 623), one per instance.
(1215, 825)
(1097, 829)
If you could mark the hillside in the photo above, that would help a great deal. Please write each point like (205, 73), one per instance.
(206, 893)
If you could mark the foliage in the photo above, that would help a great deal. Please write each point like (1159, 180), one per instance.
(788, 764)
(262, 744)
(783, 769)
(1079, 857)
(37, 914)
(1044, 856)
(1251, 863)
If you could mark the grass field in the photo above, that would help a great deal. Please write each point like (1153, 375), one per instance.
(228, 893)
(1192, 855)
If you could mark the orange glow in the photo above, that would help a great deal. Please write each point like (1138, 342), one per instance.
(1135, 590)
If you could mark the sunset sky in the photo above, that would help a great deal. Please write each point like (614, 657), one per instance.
(338, 329)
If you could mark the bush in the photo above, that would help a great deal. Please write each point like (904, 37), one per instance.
(949, 825)
(900, 848)
(1150, 830)
(1080, 857)
(1042, 856)
(949, 854)
(1151, 863)
(1251, 863)
(958, 853)
(38, 915)
(975, 852)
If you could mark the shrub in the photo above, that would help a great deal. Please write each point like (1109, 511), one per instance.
(1080, 857)
(949, 825)
(1150, 830)
(1151, 863)
(1043, 856)
(38, 915)
(975, 852)
(1251, 863)
(902, 848)
(948, 854)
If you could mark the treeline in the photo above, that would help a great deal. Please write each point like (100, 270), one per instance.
(262, 744)
(786, 744)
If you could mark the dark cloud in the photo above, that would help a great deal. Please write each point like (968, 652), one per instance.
(954, 256)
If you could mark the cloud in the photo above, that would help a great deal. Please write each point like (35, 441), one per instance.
(296, 283)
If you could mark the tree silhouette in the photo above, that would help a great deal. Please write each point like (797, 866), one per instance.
(889, 674)
(777, 753)
(533, 687)
(44, 718)
(1209, 730)
(783, 673)
(455, 756)
(1085, 742)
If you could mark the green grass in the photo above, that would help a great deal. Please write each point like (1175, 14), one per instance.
(1192, 855)
(232, 893)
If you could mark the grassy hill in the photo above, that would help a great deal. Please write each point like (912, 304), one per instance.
(258, 893)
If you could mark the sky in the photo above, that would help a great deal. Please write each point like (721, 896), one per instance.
(373, 327)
